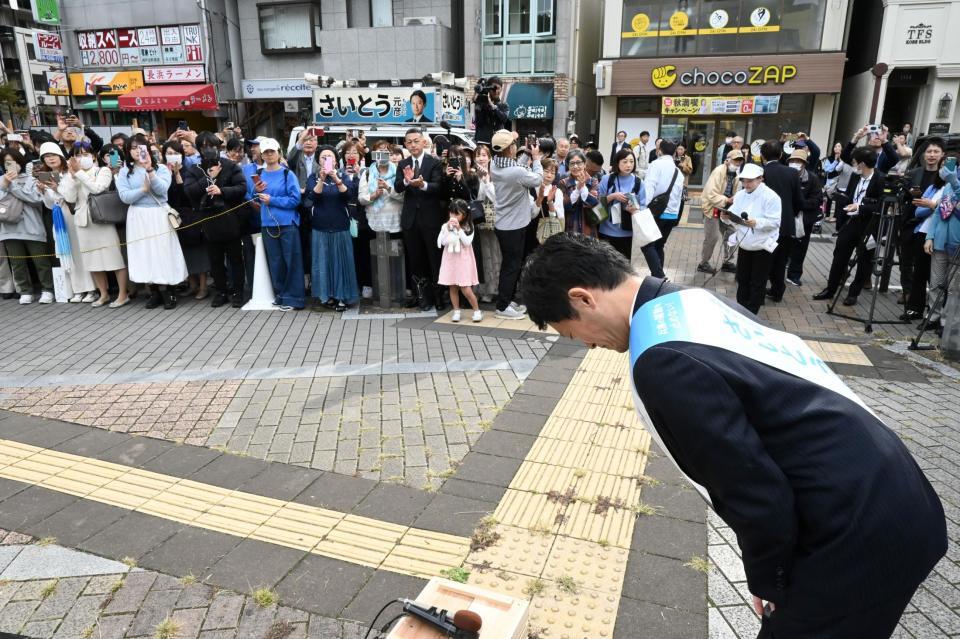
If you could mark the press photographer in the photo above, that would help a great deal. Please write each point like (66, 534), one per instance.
(491, 113)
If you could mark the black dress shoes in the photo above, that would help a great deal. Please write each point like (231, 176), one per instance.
(825, 294)
(909, 316)
(851, 300)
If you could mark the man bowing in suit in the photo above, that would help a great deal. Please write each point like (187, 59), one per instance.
(419, 179)
(836, 522)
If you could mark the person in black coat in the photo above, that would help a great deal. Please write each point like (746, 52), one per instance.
(836, 522)
(812, 196)
(420, 179)
(865, 193)
(785, 182)
(214, 186)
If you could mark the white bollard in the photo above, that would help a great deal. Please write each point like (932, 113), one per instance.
(262, 297)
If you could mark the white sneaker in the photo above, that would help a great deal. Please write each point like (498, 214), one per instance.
(26, 299)
(367, 293)
(510, 313)
(90, 298)
(46, 297)
(478, 316)
(76, 299)
(456, 316)
(518, 307)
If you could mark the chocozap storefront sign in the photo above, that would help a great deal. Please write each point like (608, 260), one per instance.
(732, 75)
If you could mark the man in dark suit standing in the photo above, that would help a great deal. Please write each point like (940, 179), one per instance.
(785, 182)
(621, 143)
(865, 192)
(419, 179)
(836, 522)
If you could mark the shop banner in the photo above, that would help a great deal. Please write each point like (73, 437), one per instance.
(681, 23)
(175, 75)
(48, 46)
(45, 11)
(56, 83)
(276, 89)
(720, 105)
(389, 105)
(120, 82)
(529, 100)
(177, 44)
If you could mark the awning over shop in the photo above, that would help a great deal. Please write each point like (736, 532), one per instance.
(108, 104)
(171, 97)
(530, 100)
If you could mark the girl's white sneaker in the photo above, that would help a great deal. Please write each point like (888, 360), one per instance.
(456, 316)
(478, 316)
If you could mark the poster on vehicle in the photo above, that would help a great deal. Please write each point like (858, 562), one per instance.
(389, 105)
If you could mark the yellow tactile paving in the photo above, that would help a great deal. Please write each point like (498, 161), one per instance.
(590, 565)
(532, 511)
(518, 550)
(351, 538)
(569, 430)
(840, 353)
(613, 524)
(543, 478)
(560, 615)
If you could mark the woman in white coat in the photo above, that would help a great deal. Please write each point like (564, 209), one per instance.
(81, 283)
(99, 244)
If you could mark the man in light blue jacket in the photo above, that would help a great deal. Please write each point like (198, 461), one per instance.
(514, 205)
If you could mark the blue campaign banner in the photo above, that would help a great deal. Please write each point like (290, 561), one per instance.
(387, 105)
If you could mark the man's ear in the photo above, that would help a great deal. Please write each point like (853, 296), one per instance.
(581, 298)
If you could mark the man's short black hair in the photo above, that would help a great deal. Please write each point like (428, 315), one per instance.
(206, 138)
(567, 261)
(619, 132)
(411, 131)
(771, 150)
(935, 141)
(667, 147)
(866, 155)
(595, 156)
(419, 94)
(234, 144)
(495, 80)
(643, 133)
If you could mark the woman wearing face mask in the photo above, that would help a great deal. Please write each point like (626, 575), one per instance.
(25, 236)
(352, 158)
(334, 278)
(376, 192)
(99, 243)
(153, 251)
(811, 194)
(55, 166)
(191, 238)
(489, 246)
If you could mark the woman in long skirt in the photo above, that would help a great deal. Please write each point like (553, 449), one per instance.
(334, 277)
(152, 246)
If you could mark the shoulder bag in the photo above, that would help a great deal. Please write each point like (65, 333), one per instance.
(658, 204)
(173, 215)
(11, 209)
(548, 225)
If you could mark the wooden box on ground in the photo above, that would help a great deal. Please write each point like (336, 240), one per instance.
(503, 617)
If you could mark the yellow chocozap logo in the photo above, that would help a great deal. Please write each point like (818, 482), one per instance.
(664, 77)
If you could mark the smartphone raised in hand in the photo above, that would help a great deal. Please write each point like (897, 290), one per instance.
(951, 163)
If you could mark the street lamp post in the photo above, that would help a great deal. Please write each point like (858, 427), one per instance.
(99, 90)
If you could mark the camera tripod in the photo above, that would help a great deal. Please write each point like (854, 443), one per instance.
(882, 229)
(953, 267)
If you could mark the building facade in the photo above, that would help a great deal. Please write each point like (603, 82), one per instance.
(905, 72)
(544, 51)
(695, 72)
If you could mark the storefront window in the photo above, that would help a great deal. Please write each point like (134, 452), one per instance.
(671, 28)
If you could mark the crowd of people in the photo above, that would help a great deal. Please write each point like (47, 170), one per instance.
(468, 218)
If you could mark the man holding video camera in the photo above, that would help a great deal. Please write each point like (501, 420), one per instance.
(491, 113)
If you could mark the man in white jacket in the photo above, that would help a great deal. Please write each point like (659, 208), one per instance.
(756, 209)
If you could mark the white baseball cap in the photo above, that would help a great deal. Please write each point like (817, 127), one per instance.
(269, 144)
(750, 171)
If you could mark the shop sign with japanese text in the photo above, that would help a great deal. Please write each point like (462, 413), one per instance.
(120, 82)
(48, 46)
(720, 105)
(169, 44)
(388, 105)
(174, 75)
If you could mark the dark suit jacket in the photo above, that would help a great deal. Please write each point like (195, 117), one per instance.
(785, 182)
(613, 150)
(422, 207)
(872, 199)
(832, 513)
(423, 120)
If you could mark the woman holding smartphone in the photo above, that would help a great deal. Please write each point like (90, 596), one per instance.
(99, 243)
(376, 194)
(48, 185)
(333, 275)
(152, 246)
(489, 271)
(352, 155)
(27, 235)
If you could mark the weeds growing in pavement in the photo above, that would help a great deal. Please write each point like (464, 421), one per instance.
(645, 509)
(280, 630)
(129, 561)
(115, 586)
(166, 629)
(460, 575)
(603, 543)
(264, 597)
(567, 584)
(535, 587)
(49, 589)
(484, 535)
(188, 580)
(47, 541)
(87, 632)
(537, 632)
(698, 563)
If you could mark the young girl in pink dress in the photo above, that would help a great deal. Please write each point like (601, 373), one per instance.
(458, 268)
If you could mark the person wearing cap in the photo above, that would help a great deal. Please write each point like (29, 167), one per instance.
(811, 193)
(279, 193)
(757, 209)
(512, 183)
(55, 165)
(25, 238)
(717, 195)
(836, 523)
